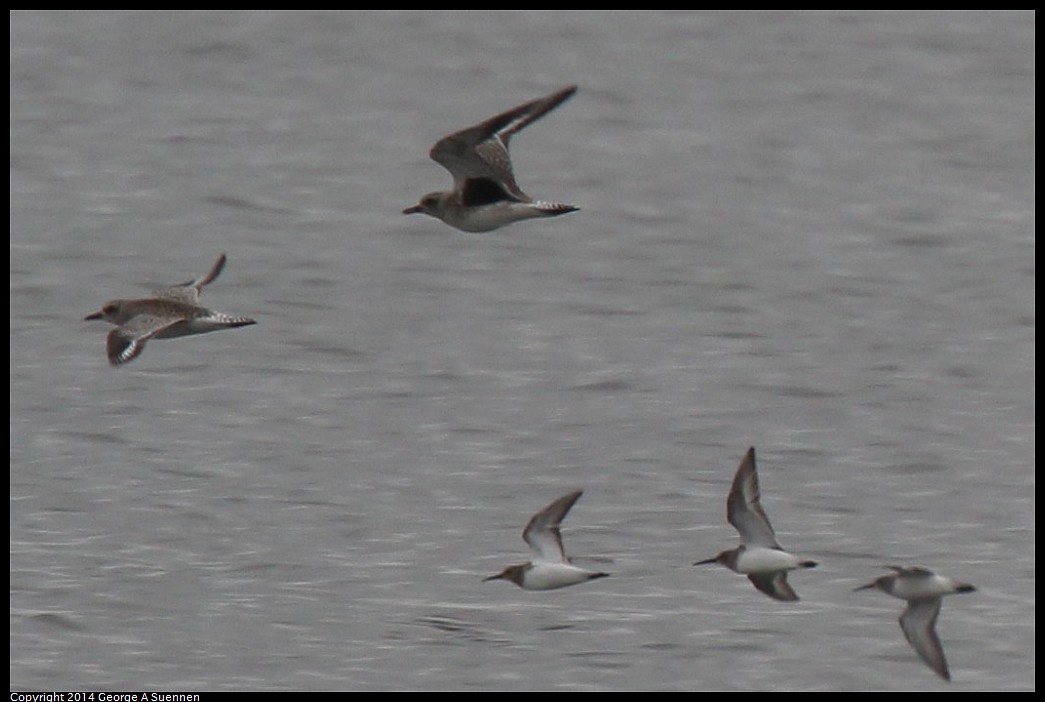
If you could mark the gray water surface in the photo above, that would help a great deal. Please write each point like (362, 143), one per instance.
(811, 233)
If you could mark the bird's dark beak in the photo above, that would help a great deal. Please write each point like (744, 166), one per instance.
(868, 586)
(709, 560)
(94, 315)
(499, 576)
(416, 209)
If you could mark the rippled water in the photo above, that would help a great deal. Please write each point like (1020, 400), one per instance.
(812, 233)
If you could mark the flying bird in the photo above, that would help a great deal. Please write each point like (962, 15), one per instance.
(759, 556)
(485, 195)
(169, 313)
(924, 591)
(550, 568)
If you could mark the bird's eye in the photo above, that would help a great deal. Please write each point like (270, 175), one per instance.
(111, 308)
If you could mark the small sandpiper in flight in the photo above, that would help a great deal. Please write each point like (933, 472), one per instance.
(485, 194)
(924, 591)
(550, 568)
(169, 313)
(759, 556)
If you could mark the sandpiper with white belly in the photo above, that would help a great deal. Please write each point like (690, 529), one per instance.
(550, 568)
(759, 556)
(924, 591)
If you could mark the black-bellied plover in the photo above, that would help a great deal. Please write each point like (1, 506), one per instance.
(485, 194)
(759, 556)
(550, 568)
(169, 313)
(924, 591)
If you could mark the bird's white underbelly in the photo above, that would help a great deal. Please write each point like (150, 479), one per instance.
(765, 560)
(913, 588)
(549, 576)
(491, 216)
